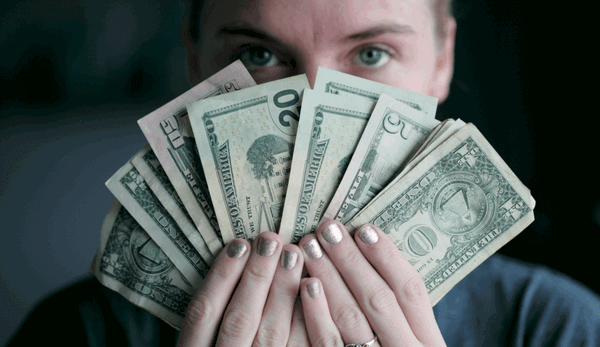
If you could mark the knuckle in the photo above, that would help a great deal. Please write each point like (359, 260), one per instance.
(258, 273)
(414, 289)
(199, 310)
(348, 260)
(348, 318)
(353, 259)
(389, 257)
(236, 326)
(392, 260)
(270, 337)
(381, 300)
(221, 273)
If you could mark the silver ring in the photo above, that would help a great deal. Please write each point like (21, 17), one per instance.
(366, 344)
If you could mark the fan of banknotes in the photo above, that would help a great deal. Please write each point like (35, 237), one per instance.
(231, 159)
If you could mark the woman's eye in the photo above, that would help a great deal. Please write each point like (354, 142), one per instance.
(372, 57)
(258, 57)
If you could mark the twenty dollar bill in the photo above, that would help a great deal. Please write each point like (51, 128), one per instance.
(245, 140)
(328, 132)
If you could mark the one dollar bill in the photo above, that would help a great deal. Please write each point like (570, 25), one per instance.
(245, 140)
(147, 164)
(129, 262)
(132, 191)
(169, 133)
(455, 208)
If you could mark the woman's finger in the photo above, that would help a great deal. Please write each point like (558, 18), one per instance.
(321, 329)
(274, 329)
(373, 294)
(242, 316)
(403, 279)
(298, 333)
(206, 308)
(347, 314)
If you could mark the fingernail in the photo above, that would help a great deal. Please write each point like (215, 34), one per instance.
(333, 234)
(266, 247)
(236, 249)
(367, 234)
(313, 249)
(288, 260)
(313, 289)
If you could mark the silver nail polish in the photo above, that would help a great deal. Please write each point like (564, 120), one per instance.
(288, 260)
(266, 247)
(333, 234)
(313, 289)
(313, 249)
(236, 249)
(368, 235)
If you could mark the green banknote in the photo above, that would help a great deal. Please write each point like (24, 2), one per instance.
(245, 141)
(394, 132)
(132, 191)
(452, 210)
(129, 262)
(437, 136)
(169, 133)
(147, 164)
(339, 83)
(328, 132)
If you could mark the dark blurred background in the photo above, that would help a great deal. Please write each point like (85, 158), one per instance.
(75, 75)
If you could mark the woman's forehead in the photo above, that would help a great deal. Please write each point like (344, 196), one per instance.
(316, 17)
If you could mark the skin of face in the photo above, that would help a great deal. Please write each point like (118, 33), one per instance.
(391, 42)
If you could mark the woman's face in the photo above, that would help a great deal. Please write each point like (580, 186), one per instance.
(392, 42)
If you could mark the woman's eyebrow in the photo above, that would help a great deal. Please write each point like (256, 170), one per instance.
(392, 28)
(245, 30)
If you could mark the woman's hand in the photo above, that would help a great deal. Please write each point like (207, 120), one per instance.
(362, 288)
(259, 311)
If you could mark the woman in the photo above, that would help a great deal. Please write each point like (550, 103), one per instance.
(360, 289)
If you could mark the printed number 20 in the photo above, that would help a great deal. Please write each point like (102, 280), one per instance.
(283, 104)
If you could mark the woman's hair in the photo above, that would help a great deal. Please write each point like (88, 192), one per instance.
(441, 9)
